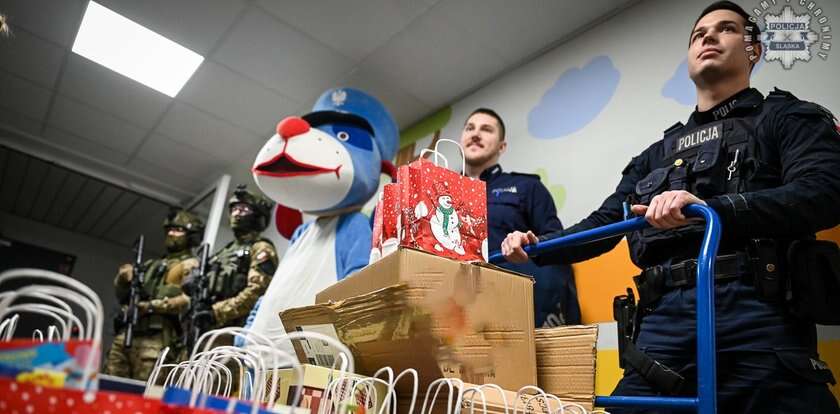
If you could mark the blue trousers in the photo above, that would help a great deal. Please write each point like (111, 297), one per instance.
(766, 359)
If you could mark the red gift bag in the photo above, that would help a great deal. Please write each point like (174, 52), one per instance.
(385, 228)
(376, 233)
(442, 212)
(24, 398)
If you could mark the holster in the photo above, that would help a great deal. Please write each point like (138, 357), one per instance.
(628, 319)
(624, 313)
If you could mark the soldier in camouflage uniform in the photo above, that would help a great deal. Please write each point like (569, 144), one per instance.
(158, 325)
(240, 272)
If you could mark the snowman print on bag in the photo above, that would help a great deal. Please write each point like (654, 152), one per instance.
(445, 226)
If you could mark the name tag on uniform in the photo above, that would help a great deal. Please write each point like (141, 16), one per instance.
(498, 191)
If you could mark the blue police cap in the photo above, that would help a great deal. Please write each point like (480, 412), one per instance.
(339, 103)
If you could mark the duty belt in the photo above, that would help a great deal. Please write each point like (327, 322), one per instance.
(651, 285)
(684, 274)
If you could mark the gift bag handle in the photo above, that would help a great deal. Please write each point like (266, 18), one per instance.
(460, 149)
(8, 324)
(424, 151)
(83, 293)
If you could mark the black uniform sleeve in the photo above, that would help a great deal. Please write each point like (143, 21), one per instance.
(542, 213)
(808, 199)
(611, 211)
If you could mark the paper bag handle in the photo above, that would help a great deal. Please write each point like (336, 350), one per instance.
(437, 154)
(460, 149)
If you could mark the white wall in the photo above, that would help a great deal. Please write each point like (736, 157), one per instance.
(96, 260)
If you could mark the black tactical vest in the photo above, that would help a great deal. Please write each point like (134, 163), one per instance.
(716, 158)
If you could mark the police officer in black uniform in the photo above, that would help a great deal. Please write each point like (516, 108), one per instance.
(770, 167)
(517, 201)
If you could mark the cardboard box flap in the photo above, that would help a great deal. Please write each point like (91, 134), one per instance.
(420, 269)
(491, 266)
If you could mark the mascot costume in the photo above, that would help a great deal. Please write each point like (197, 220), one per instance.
(326, 163)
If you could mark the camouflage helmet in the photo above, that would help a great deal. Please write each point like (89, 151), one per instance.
(258, 203)
(187, 221)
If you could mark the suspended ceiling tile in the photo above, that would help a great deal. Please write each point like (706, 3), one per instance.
(64, 197)
(17, 121)
(31, 58)
(36, 173)
(123, 204)
(186, 160)
(170, 177)
(190, 126)
(434, 43)
(229, 95)
(23, 96)
(110, 92)
(95, 125)
(87, 196)
(280, 57)
(83, 146)
(52, 185)
(518, 32)
(354, 28)
(94, 214)
(194, 24)
(144, 218)
(13, 172)
(405, 108)
(57, 21)
(5, 153)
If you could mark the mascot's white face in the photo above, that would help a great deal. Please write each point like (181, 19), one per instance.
(304, 168)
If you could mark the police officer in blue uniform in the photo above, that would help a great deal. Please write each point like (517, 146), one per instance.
(517, 201)
(770, 166)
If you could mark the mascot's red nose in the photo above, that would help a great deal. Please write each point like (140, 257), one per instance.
(292, 127)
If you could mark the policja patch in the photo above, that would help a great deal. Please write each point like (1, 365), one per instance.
(699, 137)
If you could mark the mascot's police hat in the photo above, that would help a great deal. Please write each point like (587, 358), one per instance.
(356, 107)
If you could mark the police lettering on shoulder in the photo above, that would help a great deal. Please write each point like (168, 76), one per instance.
(768, 166)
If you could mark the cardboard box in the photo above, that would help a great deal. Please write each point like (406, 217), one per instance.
(315, 381)
(566, 362)
(442, 317)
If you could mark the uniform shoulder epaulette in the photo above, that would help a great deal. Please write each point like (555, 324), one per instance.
(525, 175)
(674, 127)
(777, 93)
(796, 105)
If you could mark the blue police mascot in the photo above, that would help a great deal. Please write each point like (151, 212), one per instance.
(326, 163)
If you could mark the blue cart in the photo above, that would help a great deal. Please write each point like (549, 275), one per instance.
(706, 400)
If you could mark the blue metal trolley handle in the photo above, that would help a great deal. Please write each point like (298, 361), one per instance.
(706, 400)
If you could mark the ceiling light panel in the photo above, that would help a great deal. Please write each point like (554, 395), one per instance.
(132, 50)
